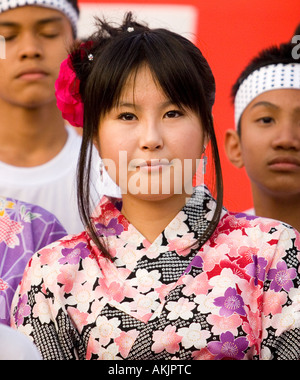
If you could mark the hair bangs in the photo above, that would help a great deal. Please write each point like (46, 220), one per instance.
(174, 65)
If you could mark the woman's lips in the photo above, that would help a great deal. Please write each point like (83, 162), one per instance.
(153, 165)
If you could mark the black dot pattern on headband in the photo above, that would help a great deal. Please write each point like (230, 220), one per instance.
(63, 6)
(266, 78)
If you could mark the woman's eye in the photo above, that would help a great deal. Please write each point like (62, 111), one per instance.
(127, 117)
(173, 114)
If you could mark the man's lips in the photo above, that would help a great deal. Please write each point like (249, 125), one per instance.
(284, 164)
(32, 74)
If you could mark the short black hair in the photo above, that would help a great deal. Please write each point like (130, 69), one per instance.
(74, 3)
(297, 31)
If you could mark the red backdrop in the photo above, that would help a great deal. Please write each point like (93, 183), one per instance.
(230, 33)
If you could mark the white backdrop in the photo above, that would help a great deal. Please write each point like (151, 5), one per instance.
(179, 18)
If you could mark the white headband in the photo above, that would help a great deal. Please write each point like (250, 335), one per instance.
(267, 78)
(61, 5)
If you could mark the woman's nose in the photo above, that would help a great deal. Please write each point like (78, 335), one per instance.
(151, 137)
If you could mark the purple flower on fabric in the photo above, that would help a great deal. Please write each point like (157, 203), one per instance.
(23, 310)
(113, 228)
(228, 347)
(74, 255)
(246, 216)
(282, 277)
(257, 269)
(230, 303)
(197, 262)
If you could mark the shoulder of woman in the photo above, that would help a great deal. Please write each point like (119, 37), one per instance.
(257, 227)
(67, 250)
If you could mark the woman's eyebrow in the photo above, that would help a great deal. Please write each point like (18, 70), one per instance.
(168, 103)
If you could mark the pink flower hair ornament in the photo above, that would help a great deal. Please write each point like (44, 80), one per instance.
(67, 94)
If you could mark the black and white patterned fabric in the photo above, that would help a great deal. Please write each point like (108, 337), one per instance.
(267, 78)
(235, 297)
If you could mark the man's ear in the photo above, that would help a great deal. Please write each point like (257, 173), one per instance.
(233, 148)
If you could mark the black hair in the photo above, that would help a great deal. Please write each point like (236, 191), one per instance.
(74, 4)
(297, 31)
(178, 66)
(270, 56)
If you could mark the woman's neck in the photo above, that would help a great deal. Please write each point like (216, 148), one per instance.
(151, 217)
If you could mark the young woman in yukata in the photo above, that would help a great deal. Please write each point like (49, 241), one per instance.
(160, 274)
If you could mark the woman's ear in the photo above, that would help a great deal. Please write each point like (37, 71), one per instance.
(96, 144)
(233, 148)
(206, 141)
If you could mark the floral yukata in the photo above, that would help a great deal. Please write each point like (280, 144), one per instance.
(24, 229)
(237, 297)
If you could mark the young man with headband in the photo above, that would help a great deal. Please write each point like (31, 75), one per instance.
(266, 140)
(39, 152)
